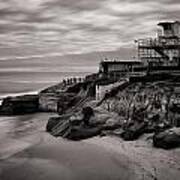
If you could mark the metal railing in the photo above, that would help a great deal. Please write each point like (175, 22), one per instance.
(155, 42)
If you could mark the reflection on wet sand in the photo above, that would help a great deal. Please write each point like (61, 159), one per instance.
(20, 132)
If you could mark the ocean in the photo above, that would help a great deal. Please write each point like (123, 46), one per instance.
(21, 76)
(26, 76)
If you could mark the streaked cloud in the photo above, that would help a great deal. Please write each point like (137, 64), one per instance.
(70, 26)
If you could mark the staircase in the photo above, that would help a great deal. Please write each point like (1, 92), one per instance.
(160, 51)
(63, 128)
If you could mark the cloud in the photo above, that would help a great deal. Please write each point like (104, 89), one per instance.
(80, 5)
(30, 56)
(82, 26)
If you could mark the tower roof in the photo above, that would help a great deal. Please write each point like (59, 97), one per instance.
(168, 23)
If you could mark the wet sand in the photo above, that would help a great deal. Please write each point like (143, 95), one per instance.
(35, 155)
(59, 159)
(28, 152)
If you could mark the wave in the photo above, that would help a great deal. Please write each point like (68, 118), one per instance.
(2, 96)
(30, 81)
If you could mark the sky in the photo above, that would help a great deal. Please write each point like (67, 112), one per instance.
(52, 28)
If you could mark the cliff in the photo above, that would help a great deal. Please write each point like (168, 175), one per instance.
(58, 98)
(20, 105)
(129, 110)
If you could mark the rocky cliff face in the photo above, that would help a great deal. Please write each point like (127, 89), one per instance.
(57, 102)
(57, 98)
(60, 98)
(20, 105)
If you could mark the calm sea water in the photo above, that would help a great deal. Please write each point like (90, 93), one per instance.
(32, 75)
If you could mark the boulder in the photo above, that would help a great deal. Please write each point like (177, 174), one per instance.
(75, 127)
(134, 131)
(75, 119)
(167, 139)
(73, 130)
(154, 127)
(111, 124)
(52, 122)
(87, 113)
(80, 132)
(175, 108)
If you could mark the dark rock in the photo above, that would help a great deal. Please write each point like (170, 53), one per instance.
(58, 126)
(20, 105)
(66, 101)
(157, 127)
(87, 113)
(175, 108)
(77, 87)
(76, 122)
(167, 139)
(134, 131)
(74, 88)
(73, 130)
(74, 127)
(52, 122)
(79, 132)
(57, 101)
(112, 127)
(60, 99)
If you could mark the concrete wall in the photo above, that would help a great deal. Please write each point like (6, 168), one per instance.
(116, 67)
(101, 90)
(176, 29)
(48, 102)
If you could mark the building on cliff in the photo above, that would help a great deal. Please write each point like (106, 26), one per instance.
(118, 67)
(155, 55)
(161, 53)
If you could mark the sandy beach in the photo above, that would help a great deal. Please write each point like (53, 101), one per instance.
(32, 154)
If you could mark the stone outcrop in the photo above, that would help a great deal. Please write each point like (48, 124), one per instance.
(52, 122)
(60, 98)
(167, 139)
(79, 133)
(134, 131)
(83, 124)
(20, 105)
(74, 129)
(57, 102)
(128, 112)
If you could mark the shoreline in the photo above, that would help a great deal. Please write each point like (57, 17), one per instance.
(42, 156)
(46, 157)
(107, 158)
(2, 97)
(67, 96)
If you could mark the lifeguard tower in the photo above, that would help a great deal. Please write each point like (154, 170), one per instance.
(162, 51)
